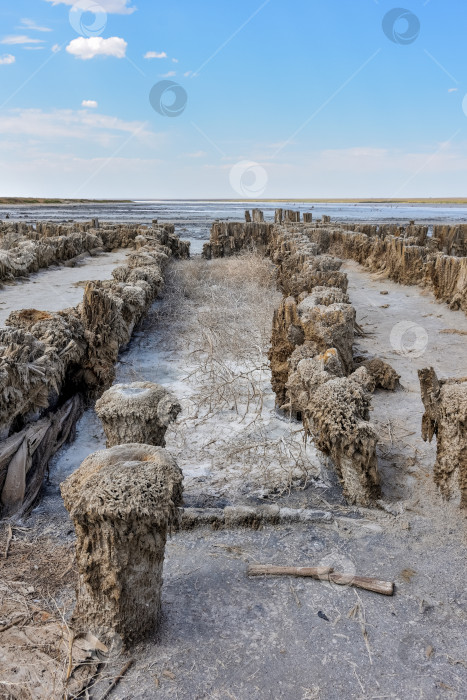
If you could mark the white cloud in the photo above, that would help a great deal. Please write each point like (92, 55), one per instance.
(97, 46)
(117, 7)
(20, 39)
(7, 59)
(174, 60)
(453, 90)
(187, 74)
(155, 54)
(56, 48)
(170, 74)
(89, 103)
(30, 24)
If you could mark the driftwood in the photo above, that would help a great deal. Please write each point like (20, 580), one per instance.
(247, 516)
(117, 679)
(25, 456)
(324, 573)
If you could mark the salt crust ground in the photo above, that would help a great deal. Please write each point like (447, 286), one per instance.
(57, 287)
(228, 448)
(224, 636)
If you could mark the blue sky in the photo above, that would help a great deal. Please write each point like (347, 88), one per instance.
(305, 98)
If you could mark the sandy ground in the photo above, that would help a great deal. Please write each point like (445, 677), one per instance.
(225, 636)
(57, 287)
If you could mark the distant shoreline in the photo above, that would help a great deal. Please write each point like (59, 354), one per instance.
(43, 202)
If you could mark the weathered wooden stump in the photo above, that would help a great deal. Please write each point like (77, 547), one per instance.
(292, 216)
(445, 402)
(122, 502)
(138, 412)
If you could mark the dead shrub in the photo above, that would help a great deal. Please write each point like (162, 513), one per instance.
(218, 316)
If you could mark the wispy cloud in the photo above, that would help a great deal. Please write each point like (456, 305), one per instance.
(448, 158)
(197, 154)
(155, 54)
(170, 74)
(56, 48)
(32, 26)
(13, 39)
(72, 125)
(89, 103)
(117, 7)
(7, 59)
(86, 49)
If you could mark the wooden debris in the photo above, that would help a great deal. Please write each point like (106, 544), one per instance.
(324, 573)
(168, 674)
(70, 657)
(8, 540)
(117, 679)
(254, 517)
(453, 331)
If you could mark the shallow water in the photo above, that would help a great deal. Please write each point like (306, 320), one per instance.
(193, 218)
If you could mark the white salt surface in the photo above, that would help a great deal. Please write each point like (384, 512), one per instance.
(234, 451)
(54, 288)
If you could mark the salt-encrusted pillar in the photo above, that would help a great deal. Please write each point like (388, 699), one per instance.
(122, 502)
(445, 402)
(138, 412)
(291, 216)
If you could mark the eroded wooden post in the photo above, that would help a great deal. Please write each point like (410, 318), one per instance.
(138, 412)
(122, 502)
